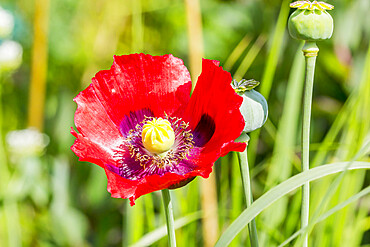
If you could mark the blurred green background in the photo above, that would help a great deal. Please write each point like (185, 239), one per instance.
(48, 198)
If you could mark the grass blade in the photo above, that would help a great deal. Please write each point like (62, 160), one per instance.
(275, 50)
(249, 57)
(280, 167)
(282, 189)
(327, 214)
(152, 237)
(270, 69)
(237, 52)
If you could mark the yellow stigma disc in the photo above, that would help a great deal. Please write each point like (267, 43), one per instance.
(158, 135)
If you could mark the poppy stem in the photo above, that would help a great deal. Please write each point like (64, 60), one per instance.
(169, 217)
(310, 51)
(244, 171)
(125, 224)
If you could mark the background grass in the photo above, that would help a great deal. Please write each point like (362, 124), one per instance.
(54, 200)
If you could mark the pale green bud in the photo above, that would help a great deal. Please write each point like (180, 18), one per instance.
(254, 108)
(310, 21)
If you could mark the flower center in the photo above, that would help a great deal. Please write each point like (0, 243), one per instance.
(158, 135)
(158, 145)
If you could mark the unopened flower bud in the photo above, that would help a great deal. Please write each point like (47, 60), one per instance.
(310, 21)
(254, 107)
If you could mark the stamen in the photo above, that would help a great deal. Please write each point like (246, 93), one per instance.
(178, 150)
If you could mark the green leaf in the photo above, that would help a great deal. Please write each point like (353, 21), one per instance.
(279, 191)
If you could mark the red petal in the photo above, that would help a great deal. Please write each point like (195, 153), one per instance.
(139, 81)
(214, 96)
(91, 152)
(135, 81)
(92, 120)
(124, 188)
(161, 83)
(98, 134)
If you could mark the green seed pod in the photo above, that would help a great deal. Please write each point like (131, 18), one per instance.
(254, 108)
(310, 21)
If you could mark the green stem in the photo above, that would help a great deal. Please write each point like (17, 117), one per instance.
(169, 217)
(310, 51)
(244, 171)
(126, 224)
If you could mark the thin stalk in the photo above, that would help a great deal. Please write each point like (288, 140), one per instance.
(244, 171)
(169, 217)
(39, 65)
(125, 224)
(310, 51)
(270, 69)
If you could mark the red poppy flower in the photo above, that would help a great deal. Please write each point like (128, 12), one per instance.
(116, 114)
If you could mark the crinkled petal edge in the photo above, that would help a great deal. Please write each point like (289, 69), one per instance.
(124, 188)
